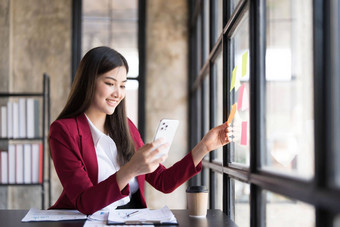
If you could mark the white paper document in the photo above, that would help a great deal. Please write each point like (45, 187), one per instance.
(53, 215)
(97, 223)
(141, 216)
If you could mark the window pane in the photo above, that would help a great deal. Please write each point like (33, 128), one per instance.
(289, 87)
(199, 44)
(124, 40)
(198, 124)
(124, 10)
(219, 120)
(219, 189)
(234, 4)
(241, 193)
(282, 211)
(217, 14)
(94, 33)
(206, 105)
(132, 100)
(97, 8)
(112, 23)
(239, 93)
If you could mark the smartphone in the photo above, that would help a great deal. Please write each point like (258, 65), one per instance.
(167, 130)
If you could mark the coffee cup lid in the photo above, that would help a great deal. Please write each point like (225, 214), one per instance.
(196, 189)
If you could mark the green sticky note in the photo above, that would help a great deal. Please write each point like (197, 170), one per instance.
(244, 63)
(232, 85)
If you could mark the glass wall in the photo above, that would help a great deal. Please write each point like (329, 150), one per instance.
(289, 88)
(114, 23)
(238, 93)
(273, 72)
(241, 203)
(282, 211)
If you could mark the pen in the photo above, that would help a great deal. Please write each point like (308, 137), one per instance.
(128, 215)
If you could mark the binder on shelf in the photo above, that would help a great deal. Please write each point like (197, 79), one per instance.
(15, 120)
(37, 159)
(3, 121)
(4, 167)
(32, 118)
(22, 117)
(9, 119)
(41, 160)
(27, 164)
(36, 119)
(11, 163)
(19, 164)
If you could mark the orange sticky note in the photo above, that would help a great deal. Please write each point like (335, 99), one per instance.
(232, 113)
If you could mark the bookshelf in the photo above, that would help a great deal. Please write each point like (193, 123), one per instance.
(41, 138)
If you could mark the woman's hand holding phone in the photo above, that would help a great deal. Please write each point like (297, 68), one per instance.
(166, 129)
(148, 157)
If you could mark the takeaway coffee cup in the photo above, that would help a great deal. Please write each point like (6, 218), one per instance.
(197, 198)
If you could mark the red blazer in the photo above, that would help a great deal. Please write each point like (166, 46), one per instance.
(75, 161)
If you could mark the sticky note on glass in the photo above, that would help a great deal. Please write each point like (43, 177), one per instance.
(244, 63)
(232, 113)
(240, 97)
(232, 84)
(245, 99)
(244, 133)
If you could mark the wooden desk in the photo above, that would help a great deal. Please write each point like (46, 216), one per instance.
(215, 218)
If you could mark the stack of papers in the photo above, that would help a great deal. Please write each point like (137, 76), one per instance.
(101, 218)
(53, 215)
(141, 216)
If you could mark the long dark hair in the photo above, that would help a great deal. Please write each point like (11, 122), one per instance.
(96, 62)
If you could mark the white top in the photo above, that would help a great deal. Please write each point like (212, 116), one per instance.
(106, 151)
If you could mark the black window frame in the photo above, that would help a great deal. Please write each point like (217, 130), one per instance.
(319, 192)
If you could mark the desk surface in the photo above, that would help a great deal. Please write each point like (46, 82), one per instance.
(215, 218)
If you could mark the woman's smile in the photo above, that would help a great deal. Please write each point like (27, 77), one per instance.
(112, 102)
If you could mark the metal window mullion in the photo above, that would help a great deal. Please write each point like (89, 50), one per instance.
(142, 65)
(193, 93)
(200, 54)
(44, 112)
(226, 179)
(204, 92)
(203, 124)
(76, 36)
(322, 103)
(257, 47)
(212, 123)
(335, 56)
(212, 88)
(212, 101)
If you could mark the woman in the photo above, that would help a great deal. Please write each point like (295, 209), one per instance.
(97, 151)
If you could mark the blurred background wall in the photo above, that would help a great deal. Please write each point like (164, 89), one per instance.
(35, 38)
